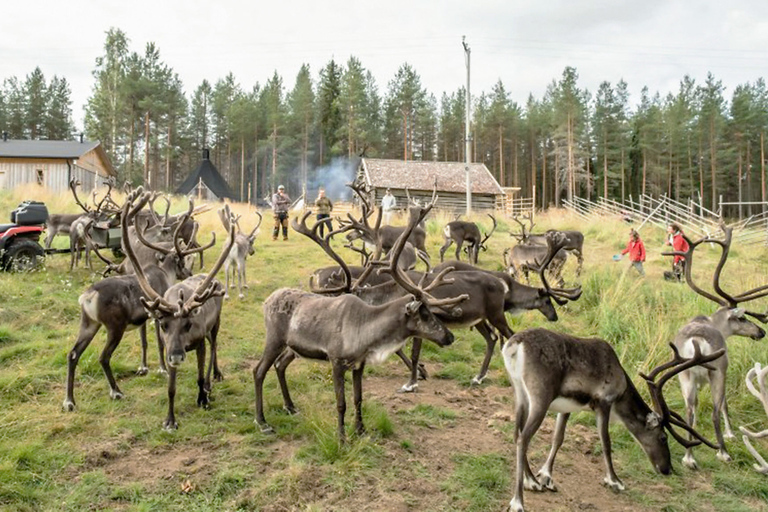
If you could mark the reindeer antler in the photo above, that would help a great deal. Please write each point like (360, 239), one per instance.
(669, 417)
(760, 391)
(73, 184)
(724, 299)
(482, 243)
(556, 241)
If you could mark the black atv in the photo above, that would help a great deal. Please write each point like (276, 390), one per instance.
(20, 249)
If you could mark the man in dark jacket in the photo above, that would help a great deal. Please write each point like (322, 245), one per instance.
(324, 208)
(280, 205)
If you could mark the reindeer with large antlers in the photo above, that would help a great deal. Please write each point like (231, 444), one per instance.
(711, 333)
(574, 240)
(189, 313)
(240, 251)
(565, 374)
(757, 375)
(460, 231)
(343, 329)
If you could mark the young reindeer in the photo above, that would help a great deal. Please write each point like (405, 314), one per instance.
(711, 333)
(461, 231)
(240, 251)
(189, 313)
(343, 329)
(562, 373)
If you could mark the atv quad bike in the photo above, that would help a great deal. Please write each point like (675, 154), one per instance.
(20, 249)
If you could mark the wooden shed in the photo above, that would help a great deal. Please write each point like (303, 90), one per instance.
(53, 163)
(419, 178)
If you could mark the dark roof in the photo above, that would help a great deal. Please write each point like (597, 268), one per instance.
(210, 176)
(417, 175)
(14, 148)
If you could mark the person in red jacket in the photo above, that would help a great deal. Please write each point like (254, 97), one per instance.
(636, 251)
(677, 241)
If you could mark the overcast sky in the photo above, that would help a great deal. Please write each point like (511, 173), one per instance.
(524, 43)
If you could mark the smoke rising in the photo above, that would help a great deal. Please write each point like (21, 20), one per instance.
(334, 178)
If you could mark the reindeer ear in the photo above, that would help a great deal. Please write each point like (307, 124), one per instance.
(412, 307)
(653, 420)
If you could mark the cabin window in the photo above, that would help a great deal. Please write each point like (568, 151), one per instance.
(40, 177)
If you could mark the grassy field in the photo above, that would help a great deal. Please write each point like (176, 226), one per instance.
(447, 447)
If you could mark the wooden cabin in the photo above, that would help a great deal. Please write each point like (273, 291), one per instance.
(53, 163)
(420, 178)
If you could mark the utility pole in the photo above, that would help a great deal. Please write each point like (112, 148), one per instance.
(467, 142)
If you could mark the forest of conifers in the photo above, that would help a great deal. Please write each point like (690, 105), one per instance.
(694, 142)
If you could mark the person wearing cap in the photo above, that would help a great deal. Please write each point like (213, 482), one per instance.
(388, 205)
(324, 208)
(280, 205)
(636, 251)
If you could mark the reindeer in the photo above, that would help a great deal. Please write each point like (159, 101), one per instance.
(562, 373)
(80, 239)
(461, 231)
(116, 303)
(574, 240)
(189, 313)
(758, 374)
(343, 329)
(240, 251)
(522, 258)
(711, 333)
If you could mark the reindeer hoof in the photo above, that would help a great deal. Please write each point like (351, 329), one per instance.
(241, 296)
(116, 395)
(690, 463)
(142, 370)
(477, 380)
(546, 481)
(69, 405)
(226, 296)
(265, 429)
(723, 456)
(531, 484)
(291, 410)
(614, 485)
(515, 506)
(218, 376)
(170, 425)
(423, 375)
(729, 435)
(408, 388)
(162, 371)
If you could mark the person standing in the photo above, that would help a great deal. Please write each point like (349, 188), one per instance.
(676, 239)
(636, 251)
(280, 205)
(388, 205)
(324, 208)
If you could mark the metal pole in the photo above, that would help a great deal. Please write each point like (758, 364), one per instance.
(467, 142)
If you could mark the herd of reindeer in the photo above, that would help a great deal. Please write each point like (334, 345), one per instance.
(355, 315)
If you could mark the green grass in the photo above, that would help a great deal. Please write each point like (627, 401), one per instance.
(114, 454)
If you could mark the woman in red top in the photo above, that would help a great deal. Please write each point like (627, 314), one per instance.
(678, 243)
(636, 251)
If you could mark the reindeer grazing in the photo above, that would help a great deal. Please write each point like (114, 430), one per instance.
(760, 391)
(460, 231)
(562, 373)
(80, 239)
(711, 333)
(242, 249)
(574, 240)
(522, 258)
(188, 313)
(343, 329)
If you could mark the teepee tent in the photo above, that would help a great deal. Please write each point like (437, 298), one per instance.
(205, 182)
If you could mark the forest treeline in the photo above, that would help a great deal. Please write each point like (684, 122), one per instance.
(694, 143)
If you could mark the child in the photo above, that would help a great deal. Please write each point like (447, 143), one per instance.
(636, 251)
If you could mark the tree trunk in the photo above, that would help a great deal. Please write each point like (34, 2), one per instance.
(146, 151)
(544, 174)
(242, 169)
(762, 169)
(713, 163)
(501, 160)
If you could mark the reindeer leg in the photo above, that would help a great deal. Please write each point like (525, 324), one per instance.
(357, 384)
(280, 366)
(217, 375)
(525, 478)
(114, 336)
(170, 420)
(160, 348)
(691, 397)
(273, 348)
(717, 384)
(413, 383)
(459, 243)
(444, 248)
(580, 261)
(423, 375)
(341, 400)
(490, 340)
(226, 273)
(88, 329)
(545, 473)
(203, 387)
(143, 369)
(240, 279)
(603, 412)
